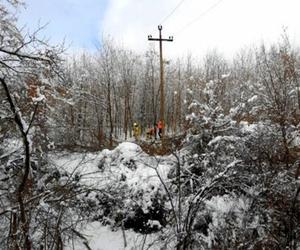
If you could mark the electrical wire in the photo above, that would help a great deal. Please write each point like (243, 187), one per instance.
(199, 17)
(172, 12)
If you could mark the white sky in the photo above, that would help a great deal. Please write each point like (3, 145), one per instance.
(230, 26)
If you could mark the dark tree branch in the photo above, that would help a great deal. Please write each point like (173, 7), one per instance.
(26, 142)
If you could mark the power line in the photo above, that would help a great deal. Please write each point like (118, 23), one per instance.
(172, 12)
(199, 17)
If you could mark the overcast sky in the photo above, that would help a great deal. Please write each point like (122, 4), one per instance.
(197, 25)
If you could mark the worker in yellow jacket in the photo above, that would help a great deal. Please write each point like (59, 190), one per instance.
(136, 131)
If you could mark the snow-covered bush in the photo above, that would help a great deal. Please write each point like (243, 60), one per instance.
(129, 194)
(227, 183)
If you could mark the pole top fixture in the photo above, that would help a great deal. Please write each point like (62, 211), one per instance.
(160, 27)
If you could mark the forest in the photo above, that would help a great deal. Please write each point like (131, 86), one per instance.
(226, 174)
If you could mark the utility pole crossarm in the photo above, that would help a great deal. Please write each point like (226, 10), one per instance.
(162, 100)
(170, 39)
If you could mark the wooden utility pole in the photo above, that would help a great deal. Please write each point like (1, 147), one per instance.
(161, 87)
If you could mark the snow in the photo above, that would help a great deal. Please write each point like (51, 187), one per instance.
(115, 162)
(225, 75)
(248, 128)
(253, 99)
(220, 208)
(108, 167)
(102, 238)
(154, 223)
(194, 104)
(234, 111)
(294, 91)
(10, 146)
(219, 138)
(24, 124)
(39, 97)
(189, 91)
(191, 116)
(225, 204)
(295, 142)
(128, 149)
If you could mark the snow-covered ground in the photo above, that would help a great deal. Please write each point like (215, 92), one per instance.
(103, 238)
(127, 158)
(126, 161)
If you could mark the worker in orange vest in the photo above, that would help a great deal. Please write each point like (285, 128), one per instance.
(160, 128)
